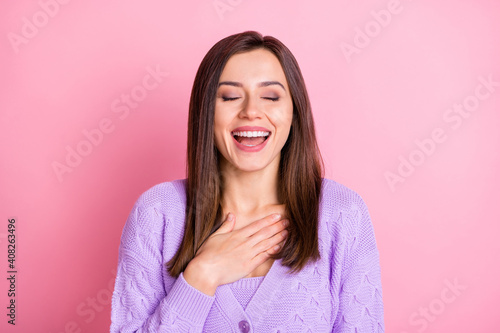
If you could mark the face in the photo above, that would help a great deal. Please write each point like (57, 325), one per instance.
(253, 112)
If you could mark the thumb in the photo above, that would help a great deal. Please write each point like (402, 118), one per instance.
(228, 224)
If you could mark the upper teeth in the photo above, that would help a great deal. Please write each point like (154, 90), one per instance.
(251, 134)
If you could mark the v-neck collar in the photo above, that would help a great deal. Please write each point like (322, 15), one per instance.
(260, 301)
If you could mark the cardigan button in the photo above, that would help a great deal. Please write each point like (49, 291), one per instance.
(244, 326)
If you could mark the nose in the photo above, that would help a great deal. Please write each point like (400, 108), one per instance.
(250, 109)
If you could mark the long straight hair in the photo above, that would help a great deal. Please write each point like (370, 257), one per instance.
(300, 171)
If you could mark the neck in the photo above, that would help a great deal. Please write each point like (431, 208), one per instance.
(248, 193)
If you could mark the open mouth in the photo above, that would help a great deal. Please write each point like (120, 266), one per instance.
(251, 138)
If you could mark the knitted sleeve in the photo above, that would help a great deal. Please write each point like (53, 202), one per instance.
(140, 302)
(361, 307)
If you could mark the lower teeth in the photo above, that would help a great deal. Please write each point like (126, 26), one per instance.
(253, 145)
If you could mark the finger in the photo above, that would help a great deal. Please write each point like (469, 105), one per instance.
(270, 243)
(254, 227)
(276, 248)
(227, 225)
(259, 260)
(268, 232)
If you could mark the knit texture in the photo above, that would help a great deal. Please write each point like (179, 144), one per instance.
(339, 293)
(244, 289)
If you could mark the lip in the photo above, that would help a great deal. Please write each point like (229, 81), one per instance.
(250, 128)
(250, 149)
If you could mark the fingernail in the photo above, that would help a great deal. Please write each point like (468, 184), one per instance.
(284, 233)
(276, 217)
(285, 223)
(230, 217)
(276, 247)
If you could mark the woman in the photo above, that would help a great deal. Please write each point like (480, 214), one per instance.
(254, 240)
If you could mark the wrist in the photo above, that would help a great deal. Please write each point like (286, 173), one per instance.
(196, 276)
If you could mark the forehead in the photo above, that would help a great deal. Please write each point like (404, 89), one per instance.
(259, 65)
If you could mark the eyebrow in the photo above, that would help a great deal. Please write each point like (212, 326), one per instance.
(261, 84)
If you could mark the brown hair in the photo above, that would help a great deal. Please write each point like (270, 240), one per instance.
(300, 171)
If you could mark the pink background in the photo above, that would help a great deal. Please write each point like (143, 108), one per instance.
(65, 73)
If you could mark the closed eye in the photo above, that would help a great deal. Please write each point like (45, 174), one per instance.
(229, 98)
(226, 99)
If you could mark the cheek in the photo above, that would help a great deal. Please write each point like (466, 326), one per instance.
(219, 139)
(220, 129)
(283, 118)
(218, 120)
(285, 123)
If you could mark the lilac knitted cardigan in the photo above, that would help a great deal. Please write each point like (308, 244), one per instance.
(341, 292)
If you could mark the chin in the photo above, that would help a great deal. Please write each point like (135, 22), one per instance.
(250, 168)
